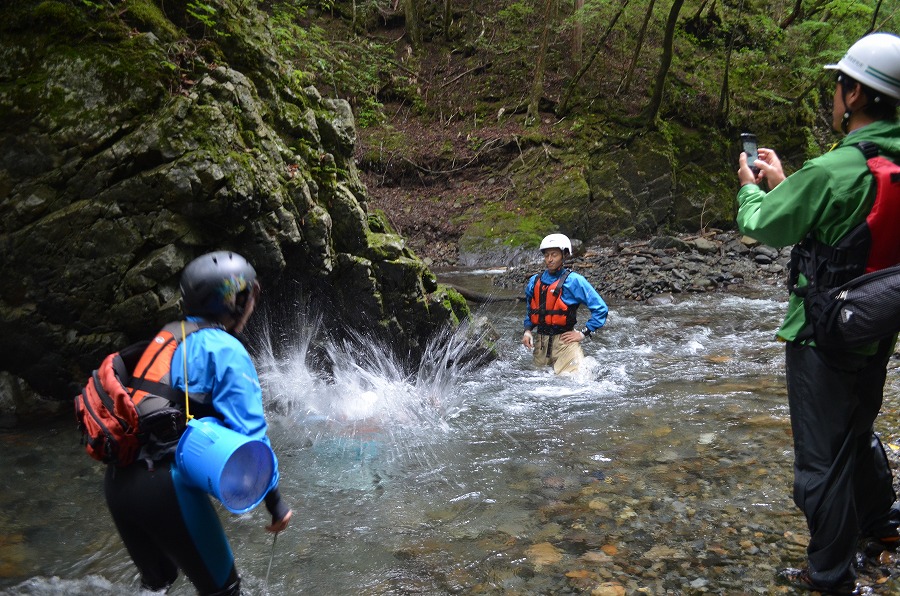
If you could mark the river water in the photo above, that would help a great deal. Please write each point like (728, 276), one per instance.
(663, 468)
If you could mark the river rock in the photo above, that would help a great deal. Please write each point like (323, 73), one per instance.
(662, 267)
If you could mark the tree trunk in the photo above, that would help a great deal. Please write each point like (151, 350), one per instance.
(537, 88)
(652, 110)
(700, 10)
(724, 104)
(795, 14)
(447, 13)
(564, 103)
(626, 81)
(578, 34)
(874, 22)
(413, 29)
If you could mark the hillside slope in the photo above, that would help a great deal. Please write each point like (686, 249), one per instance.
(448, 150)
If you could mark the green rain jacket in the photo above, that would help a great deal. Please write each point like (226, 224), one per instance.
(828, 196)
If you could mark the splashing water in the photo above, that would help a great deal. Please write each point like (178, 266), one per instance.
(355, 389)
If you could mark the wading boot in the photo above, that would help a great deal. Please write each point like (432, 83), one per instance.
(799, 578)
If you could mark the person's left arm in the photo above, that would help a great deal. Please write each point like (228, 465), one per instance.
(577, 290)
(237, 395)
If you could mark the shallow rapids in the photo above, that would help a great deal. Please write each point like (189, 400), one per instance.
(663, 468)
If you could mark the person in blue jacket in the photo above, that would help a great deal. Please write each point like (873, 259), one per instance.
(553, 298)
(165, 523)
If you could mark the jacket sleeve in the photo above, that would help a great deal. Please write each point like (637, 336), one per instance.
(238, 396)
(529, 290)
(787, 213)
(578, 290)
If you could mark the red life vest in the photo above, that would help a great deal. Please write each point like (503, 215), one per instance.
(870, 246)
(547, 310)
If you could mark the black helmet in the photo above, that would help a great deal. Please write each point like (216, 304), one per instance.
(212, 284)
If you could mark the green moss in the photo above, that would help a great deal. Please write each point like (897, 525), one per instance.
(447, 303)
(385, 247)
(494, 226)
(147, 16)
(566, 199)
(383, 142)
(378, 222)
(456, 303)
(55, 12)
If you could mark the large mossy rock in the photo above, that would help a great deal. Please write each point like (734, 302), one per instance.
(645, 186)
(129, 147)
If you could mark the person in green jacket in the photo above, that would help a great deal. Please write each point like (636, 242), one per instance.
(842, 479)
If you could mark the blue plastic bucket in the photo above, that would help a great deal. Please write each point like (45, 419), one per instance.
(232, 467)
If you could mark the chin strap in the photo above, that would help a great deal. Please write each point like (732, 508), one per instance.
(845, 121)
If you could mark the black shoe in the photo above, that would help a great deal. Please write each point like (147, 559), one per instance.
(873, 547)
(799, 578)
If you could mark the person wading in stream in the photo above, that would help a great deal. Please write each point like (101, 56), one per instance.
(553, 298)
(842, 479)
(167, 525)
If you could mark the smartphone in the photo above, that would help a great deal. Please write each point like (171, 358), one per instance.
(750, 147)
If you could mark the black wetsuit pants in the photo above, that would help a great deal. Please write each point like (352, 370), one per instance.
(842, 479)
(166, 526)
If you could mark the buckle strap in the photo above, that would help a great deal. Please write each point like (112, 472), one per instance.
(868, 148)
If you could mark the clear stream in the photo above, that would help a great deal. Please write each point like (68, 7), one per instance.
(664, 468)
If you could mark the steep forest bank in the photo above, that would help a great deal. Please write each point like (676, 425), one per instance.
(507, 120)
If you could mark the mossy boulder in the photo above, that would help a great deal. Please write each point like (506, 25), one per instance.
(125, 157)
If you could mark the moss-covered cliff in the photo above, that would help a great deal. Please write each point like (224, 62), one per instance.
(138, 135)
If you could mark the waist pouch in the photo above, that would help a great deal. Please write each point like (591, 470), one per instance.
(864, 310)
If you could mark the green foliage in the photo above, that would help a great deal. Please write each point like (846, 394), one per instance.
(59, 15)
(518, 16)
(145, 15)
(94, 5)
(204, 13)
(357, 69)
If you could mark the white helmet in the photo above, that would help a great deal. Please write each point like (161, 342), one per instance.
(874, 61)
(560, 241)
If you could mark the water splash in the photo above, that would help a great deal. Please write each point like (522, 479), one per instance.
(356, 385)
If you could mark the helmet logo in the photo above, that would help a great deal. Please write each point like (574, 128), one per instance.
(231, 287)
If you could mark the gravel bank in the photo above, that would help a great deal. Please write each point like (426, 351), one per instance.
(669, 265)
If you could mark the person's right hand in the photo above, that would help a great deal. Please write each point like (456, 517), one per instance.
(279, 525)
(745, 174)
(770, 167)
(528, 340)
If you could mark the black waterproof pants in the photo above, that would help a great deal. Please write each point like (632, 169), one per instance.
(166, 526)
(842, 479)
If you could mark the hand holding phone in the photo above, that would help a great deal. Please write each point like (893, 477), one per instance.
(751, 148)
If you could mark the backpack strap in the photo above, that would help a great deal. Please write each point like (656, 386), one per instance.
(162, 387)
(827, 267)
(868, 148)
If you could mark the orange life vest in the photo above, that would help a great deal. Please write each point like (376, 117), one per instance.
(547, 310)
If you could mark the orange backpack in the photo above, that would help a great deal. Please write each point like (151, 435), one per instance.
(128, 402)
